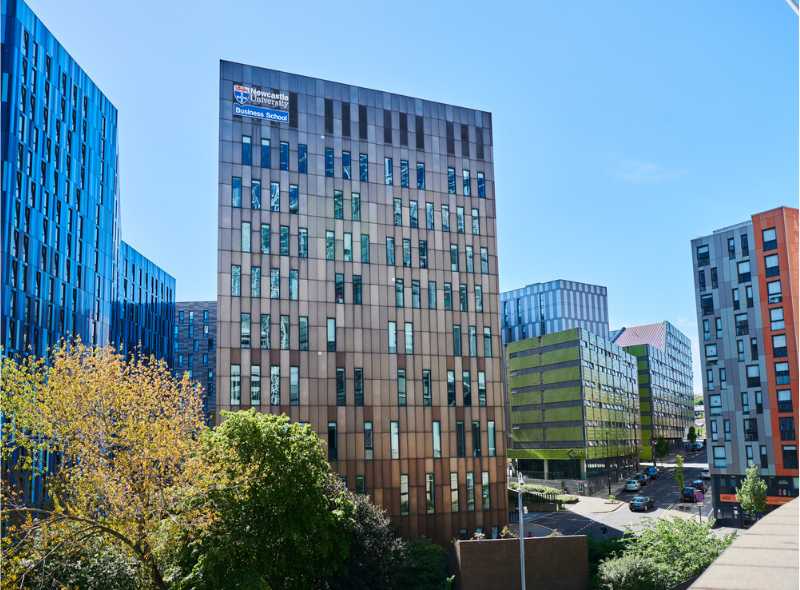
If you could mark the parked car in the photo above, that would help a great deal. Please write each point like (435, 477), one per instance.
(632, 486)
(641, 478)
(699, 484)
(697, 445)
(705, 474)
(652, 472)
(641, 503)
(688, 494)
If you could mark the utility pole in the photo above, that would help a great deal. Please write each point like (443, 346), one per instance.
(521, 481)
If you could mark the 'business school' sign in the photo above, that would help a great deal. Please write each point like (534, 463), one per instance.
(250, 101)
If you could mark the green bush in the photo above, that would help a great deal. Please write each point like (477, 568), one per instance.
(633, 572)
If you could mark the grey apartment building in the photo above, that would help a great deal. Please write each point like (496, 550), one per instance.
(745, 281)
(545, 308)
(358, 292)
(195, 348)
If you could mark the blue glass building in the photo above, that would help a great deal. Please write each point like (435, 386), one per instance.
(59, 192)
(143, 313)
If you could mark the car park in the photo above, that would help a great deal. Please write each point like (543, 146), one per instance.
(652, 472)
(641, 504)
(688, 494)
(699, 484)
(632, 486)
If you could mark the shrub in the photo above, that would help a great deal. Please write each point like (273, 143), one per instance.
(633, 572)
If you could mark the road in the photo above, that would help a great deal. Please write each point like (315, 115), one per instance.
(595, 516)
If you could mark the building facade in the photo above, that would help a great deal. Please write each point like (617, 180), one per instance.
(59, 192)
(357, 288)
(666, 394)
(574, 406)
(545, 308)
(745, 286)
(143, 313)
(195, 345)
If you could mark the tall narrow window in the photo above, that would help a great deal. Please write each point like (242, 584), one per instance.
(456, 340)
(355, 206)
(338, 205)
(392, 337)
(487, 341)
(294, 284)
(358, 386)
(461, 439)
(481, 388)
(236, 191)
(423, 253)
(244, 330)
(388, 172)
(404, 175)
(341, 392)
(390, 254)
(302, 158)
(451, 180)
(284, 332)
(339, 287)
(275, 385)
(470, 491)
(491, 436)
(445, 218)
(401, 387)
(236, 385)
(476, 438)
(357, 290)
(404, 494)
(246, 235)
(486, 500)
(330, 245)
(368, 440)
(265, 238)
(362, 121)
(328, 115)
(454, 491)
(365, 248)
(331, 335)
(255, 385)
(363, 167)
(264, 331)
(467, 184)
(421, 175)
(294, 386)
(394, 436)
(403, 129)
(437, 439)
(409, 338)
(333, 451)
(466, 388)
(294, 199)
(451, 388)
(347, 166)
(430, 493)
(302, 242)
(274, 283)
(247, 153)
(266, 158)
(413, 214)
(481, 185)
(465, 141)
(419, 132)
(387, 126)
(329, 162)
(431, 294)
(236, 280)
(346, 120)
(284, 155)
(426, 387)
(283, 240)
(303, 332)
(476, 222)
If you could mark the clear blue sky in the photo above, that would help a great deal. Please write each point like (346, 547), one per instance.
(621, 129)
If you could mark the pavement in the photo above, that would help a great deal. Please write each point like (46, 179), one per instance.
(595, 516)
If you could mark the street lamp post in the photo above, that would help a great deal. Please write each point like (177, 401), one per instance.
(521, 481)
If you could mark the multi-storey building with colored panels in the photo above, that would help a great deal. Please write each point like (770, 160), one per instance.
(195, 346)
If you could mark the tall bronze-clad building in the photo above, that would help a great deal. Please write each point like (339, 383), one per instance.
(358, 289)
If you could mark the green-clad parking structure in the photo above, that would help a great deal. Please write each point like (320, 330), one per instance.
(574, 401)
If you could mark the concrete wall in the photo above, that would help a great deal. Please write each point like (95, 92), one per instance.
(555, 563)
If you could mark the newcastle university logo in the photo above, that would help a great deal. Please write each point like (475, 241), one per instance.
(257, 103)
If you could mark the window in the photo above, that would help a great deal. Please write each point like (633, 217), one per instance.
(387, 126)
(420, 175)
(478, 298)
(731, 248)
(466, 185)
(786, 428)
(451, 180)
(481, 185)
(275, 385)
(723, 378)
(707, 304)
(742, 327)
(785, 400)
(339, 288)
(330, 245)
(453, 491)
(338, 205)
(390, 258)
(294, 386)
(406, 252)
(246, 235)
(456, 340)
(735, 298)
(274, 196)
(423, 254)
(392, 337)
(460, 220)
(484, 261)
(333, 453)
(715, 404)
(244, 330)
(451, 388)
(255, 384)
(247, 152)
(368, 440)
(409, 338)
(779, 345)
(283, 241)
(714, 279)
(329, 162)
(703, 256)
(303, 332)
(776, 319)
(759, 403)
(362, 121)
(363, 167)
(764, 461)
(476, 222)
(358, 386)
(770, 238)
(346, 121)
(476, 438)
(347, 166)
(743, 269)
(448, 296)
(726, 426)
(302, 158)
(404, 174)
(748, 293)
(264, 331)
(415, 294)
(454, 257)
(706, 329)
(463, 304)
(466, 388)
(437, 439)
(774, 294)
(782, 373)
(789, 453)
(469, 257)
(347, 247)
(714, 431)
(701, 279)
(486, 500)
(331, 335)
(302, 242)
(481, 388)
(491, 437)
(236, 385)
(284, 332)
(388, 172)
(403, 494)
(740, 350)
(284, 155)
(771, 265)
(473, 341)
(711, 351)
(487, 342)
(236, 191)
(753, 376)
(328, 115)
(236, 280)
(750, 429)
(745, 246)
(749, 454)
(341, 392)
(275, 283)
(720, 460)
(355, 206)
(413, 214)
(394, 434)
(399, 293)
(430, 494)
(470, 491)
(357, 289)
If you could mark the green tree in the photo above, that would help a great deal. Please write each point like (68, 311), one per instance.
(752, 496)
(692, 435)
(277, 521)
(662, 448)
(679, 476)
(424, 566)
(665, 554)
